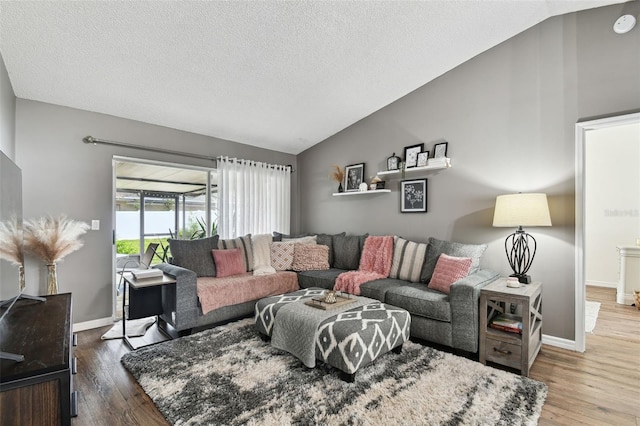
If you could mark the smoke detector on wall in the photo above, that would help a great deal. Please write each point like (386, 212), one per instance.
(624, 24)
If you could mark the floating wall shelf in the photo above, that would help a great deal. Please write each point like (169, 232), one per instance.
(431, 169)
(373, 191)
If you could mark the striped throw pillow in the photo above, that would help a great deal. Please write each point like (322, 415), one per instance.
(244, 244)
(408, 258)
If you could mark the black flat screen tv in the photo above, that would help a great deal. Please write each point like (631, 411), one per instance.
(10, 207)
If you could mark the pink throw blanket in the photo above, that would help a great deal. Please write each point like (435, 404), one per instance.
(217, 292)
(375, 263)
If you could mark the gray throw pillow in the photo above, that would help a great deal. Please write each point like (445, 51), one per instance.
(195, 255)
(277, 236)
(327, 240)
(347, 250)
(437, 247)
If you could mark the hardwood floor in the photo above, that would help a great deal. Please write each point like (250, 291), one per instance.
(598, 387)
(602, 385)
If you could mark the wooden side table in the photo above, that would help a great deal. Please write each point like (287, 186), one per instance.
(145, 300)
(502, 347)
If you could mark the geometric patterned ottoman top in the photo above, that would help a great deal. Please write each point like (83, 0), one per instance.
(358, 336)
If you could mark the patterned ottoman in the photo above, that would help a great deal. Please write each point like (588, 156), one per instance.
(347, 339)
(266, 308)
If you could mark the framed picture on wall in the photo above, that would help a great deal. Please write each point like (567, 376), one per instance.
(423, 158)
(440, 150)
(353, 177)
(411, 154)
(414, 196)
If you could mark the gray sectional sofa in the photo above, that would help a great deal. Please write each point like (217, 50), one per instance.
(447, 319)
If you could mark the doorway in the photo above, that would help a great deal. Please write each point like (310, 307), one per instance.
(154, 201)
(586, 132)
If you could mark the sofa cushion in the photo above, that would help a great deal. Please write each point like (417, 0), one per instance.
(448, 270)
(437, 247)
(195, 255)
(323, 278)
(420, 300)
(244, 244)
(310, 257)
(408, 259)
(282, 255)
(347, 250)
(377, 289)
(228, 262)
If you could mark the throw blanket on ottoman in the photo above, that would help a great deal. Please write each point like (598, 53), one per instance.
(267, 308)
(375, 263)
(296, 328)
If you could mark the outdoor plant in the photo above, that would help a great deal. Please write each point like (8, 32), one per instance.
(201, 232)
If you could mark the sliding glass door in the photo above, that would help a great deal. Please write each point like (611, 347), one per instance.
(156, 201)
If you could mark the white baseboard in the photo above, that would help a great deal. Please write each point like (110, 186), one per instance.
(88, 325)
(559, 342)
(601, 284)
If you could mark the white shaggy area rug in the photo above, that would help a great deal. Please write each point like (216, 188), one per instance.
(591, 310)
(230, 376)
(135, 328)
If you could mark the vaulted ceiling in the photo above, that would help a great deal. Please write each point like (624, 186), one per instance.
(273, 74)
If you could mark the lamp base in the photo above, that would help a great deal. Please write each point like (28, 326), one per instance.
(522, 278)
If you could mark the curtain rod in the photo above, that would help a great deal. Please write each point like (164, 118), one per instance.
(222, 158)
(95, 141)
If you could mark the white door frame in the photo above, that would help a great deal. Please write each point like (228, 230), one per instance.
(581, 137)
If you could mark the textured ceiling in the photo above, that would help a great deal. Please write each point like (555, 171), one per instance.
(277, 75)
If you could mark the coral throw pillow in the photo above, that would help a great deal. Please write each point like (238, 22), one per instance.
(308, 257)
(229, 262)
(282, 256)
(448, 270)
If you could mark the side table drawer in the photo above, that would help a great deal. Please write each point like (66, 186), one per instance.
(503, 353)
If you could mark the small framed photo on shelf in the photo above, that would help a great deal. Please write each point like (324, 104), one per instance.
(411, 154)
(440, 150)
(414, 196)
(353, 177)
(423, 158)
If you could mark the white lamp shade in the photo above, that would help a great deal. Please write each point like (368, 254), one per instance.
(521, 210)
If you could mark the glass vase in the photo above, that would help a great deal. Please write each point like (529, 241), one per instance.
(21, 277)
(52, 279)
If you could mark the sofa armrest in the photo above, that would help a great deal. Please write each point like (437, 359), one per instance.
(180, 302)
(464, 298)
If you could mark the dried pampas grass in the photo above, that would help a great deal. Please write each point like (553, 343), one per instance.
(11, 241)
(337, 174)
(51, 239)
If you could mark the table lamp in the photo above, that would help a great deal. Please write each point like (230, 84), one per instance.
(518, 210)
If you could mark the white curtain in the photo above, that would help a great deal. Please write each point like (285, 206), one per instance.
(253, 197)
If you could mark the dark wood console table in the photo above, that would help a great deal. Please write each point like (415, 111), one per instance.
(38, 390)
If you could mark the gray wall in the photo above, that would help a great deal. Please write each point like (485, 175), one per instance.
(7, 113)
(61, 174)
(509, 116)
